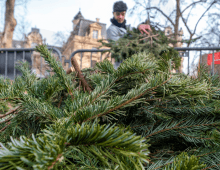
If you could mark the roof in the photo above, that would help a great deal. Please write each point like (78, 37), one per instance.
(35, 30)
(17, 43)
(83, 25)
(78, 16)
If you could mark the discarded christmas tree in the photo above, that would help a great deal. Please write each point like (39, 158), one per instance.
(140, 116)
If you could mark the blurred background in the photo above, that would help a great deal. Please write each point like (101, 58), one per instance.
(60, 23)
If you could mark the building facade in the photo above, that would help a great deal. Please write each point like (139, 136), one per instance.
(85, 35)
(169, 32)
(38, 63)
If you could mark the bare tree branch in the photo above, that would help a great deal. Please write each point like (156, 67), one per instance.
(189, 14)
(186, 24)
(203, 15)
(173, 12)
(192, 4)
(161, 13)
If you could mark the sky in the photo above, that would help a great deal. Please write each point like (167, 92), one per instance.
(51, 16)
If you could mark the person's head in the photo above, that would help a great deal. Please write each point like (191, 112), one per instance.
(119, 11)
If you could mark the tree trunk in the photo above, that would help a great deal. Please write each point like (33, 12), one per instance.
(177, 21)
(176, 30)
(10, 24)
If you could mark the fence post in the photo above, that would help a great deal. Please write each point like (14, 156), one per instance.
(213, 63)
(188, 61)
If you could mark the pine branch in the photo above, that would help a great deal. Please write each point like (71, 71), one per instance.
(56, 66)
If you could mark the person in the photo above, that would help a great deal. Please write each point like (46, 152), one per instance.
(118, 28)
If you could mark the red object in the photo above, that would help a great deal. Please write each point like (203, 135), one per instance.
(217, 58)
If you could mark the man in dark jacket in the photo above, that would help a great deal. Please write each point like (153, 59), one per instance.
(118, 28)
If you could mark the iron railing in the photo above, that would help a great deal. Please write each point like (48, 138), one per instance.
(183, 51)
(81, 56)
(9, 57)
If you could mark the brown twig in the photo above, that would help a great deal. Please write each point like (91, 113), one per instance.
(10, 112)
(10, 98)
(60, 102)
(80, 75)
(149, 36)
(57, 159)
(128, 43)
(79, 85)
(4, 128)
(70, 70)
(7, 120)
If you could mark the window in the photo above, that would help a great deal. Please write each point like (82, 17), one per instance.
(168, 32)
(18, 46)
(95, 34)
(33, 45)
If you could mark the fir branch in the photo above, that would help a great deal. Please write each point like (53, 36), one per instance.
(178, 127)
(182, 134)
(130, 74)
(56, 66)
(127, 102)
(10, 112)
(210, 167)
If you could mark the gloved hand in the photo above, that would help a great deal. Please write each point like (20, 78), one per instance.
(144, 27)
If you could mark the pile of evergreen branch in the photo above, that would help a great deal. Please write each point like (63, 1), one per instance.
(140, 116)
(133, 42)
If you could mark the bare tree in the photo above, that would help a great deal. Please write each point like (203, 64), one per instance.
(21, 30)
(10, 21)
(60, 38)
(177, 14)
(212, 36)
(10, 24)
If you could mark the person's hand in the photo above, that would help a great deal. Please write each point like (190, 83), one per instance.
(144, 27)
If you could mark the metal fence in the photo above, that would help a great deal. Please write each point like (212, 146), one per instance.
(185, 52)
(81, 51)
(10, 56)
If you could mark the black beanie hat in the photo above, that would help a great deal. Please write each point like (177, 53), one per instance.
(119, 6)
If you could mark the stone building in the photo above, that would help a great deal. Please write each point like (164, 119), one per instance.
(169, 32)
(33, 39)
(85, 35)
